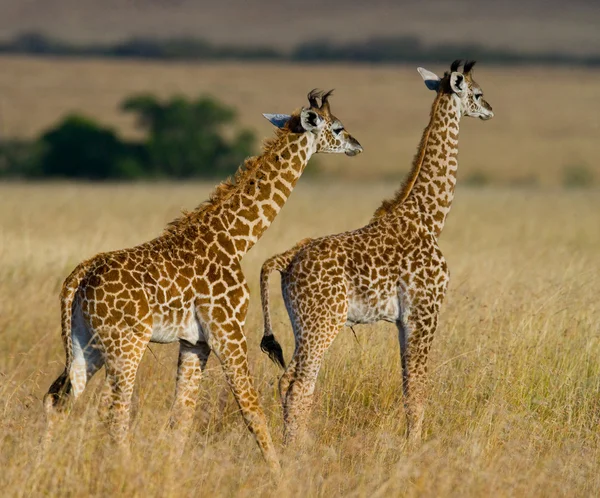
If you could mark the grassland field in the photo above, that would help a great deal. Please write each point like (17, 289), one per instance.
(514, 390)
(514, 407)
(547, 120)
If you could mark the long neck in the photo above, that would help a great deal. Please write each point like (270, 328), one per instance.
(429, 188)
(261, 190)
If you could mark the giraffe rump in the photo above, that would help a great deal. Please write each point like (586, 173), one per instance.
(61, 387)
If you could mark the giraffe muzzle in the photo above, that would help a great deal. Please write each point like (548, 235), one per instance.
(355, 150)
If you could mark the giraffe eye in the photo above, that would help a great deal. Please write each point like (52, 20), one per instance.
(338, 130)
(478, 96)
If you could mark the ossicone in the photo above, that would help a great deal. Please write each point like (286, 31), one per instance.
(319, 99)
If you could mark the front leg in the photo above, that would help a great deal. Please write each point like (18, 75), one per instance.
(222, 318)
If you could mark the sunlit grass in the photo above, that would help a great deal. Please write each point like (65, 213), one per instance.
(514, 403)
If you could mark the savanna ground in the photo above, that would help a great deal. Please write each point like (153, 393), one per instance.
(515, 373)
(514, 404)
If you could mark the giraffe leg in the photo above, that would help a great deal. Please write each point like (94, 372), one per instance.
(415, 333)
(299, 397)
(192, 361)
(286, 378)
(231, 349)
(105, 401)
(121, 372)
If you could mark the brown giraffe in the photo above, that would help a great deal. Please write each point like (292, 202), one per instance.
(391, 269)
(187, 285)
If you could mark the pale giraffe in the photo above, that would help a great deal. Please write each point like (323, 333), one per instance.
(187, 285)
(391, 269)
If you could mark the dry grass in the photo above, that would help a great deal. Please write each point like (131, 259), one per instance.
(514, 401)
(544, 118)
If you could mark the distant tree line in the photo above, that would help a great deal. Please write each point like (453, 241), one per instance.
(375, 50)
(183, 139)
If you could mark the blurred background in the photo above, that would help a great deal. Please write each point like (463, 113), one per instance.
(154, 89)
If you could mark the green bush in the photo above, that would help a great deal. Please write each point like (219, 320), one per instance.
(184, 139)
(577, 176)
(187, 138)
(477, 179)
(19, 158)
(525, 181)
(79, 148)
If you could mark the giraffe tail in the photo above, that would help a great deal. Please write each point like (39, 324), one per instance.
(61, 387)
(279, 262)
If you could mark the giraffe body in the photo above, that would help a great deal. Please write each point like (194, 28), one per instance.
(187, 285)
(389, 270)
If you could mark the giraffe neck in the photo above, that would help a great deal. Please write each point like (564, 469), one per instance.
(429, 189)
(240, 211)
(252, 208)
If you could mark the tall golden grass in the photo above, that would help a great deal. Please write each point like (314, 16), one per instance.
(514, 403)
(545, 121)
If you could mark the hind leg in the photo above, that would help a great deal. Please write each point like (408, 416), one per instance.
(123, 358)
(286, 378)
(192, 361)
(416, 331)
(105, 399)
(317, 317)
(298, 400)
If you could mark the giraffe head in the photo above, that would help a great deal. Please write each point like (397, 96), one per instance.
(317, 119)
(462, 86)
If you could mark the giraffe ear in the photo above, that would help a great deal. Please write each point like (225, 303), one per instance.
(432, 80)
(457, 83)
(310, 120)
(278, 120)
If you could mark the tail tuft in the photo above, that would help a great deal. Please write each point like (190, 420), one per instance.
(279, 262)
(270, 346)
(59, 391)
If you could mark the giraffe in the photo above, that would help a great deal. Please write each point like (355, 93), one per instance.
(187, 285)
(390, 270)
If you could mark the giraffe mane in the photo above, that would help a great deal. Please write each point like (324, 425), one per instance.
(388, 205)
(227, 187)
